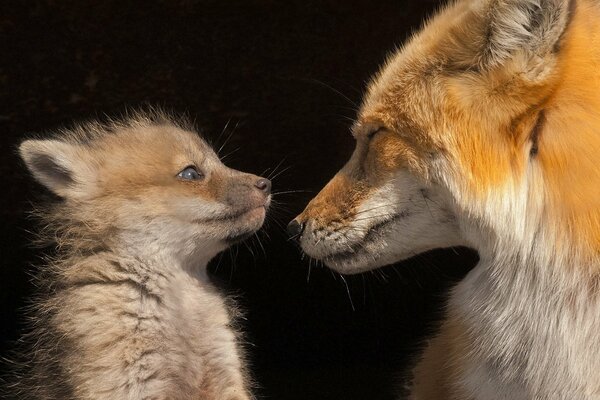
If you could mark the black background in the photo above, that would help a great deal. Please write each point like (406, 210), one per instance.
(287, 75)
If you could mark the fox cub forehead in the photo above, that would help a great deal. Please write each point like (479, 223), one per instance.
(148, 149)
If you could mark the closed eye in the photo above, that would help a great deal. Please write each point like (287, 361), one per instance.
(374, 132)
(190, 173)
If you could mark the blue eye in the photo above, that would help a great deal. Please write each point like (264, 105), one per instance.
(190, 174)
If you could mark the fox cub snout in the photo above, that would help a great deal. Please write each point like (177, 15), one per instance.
(127, 310)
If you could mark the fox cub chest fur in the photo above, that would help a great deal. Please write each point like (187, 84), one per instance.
(127, 310)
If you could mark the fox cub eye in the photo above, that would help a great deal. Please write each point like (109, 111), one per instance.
(190, 174)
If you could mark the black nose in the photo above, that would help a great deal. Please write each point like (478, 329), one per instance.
(264, 185)
(295, 229)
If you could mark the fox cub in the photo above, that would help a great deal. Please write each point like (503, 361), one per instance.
(127, 310)
(484, 131)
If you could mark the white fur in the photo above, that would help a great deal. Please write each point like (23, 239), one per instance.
(162, 337)
(533, 315)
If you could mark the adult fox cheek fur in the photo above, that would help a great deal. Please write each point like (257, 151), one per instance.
(484, 130)
(127, 310)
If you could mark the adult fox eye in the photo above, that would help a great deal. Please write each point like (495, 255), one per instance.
(190, 174)
(371, 134)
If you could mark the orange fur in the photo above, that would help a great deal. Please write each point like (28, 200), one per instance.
(570, 141)
(494, 105)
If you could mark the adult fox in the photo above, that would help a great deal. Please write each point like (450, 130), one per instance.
(484, 130)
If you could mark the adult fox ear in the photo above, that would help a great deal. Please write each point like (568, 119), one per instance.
(59, 166)
(525, 32)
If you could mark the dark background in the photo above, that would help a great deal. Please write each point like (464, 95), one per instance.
(288, 74)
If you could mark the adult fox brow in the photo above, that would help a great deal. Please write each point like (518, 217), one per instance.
(374, 131)
(368, 130)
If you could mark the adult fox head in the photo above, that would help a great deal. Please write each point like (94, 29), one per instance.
(483, 130)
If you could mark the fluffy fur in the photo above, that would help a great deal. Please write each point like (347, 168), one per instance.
(126, 310)
(484, 131)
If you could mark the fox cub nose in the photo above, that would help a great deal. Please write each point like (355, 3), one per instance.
(264, 185)
(295, 229)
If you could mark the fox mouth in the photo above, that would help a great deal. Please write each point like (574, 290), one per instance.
(232, 217)
(249, 228)
(236, 225)
(373, 237)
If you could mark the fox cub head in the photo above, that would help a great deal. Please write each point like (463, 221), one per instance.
(148, 184)
(483, 130)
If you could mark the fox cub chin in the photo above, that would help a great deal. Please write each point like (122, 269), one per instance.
(127, 310)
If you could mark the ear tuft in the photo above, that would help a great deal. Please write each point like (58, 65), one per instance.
(533, 26)
(50, 162)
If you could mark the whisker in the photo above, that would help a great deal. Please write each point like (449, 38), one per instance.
(375, 208)
(223, 130)
(228, 137)
(276, 222)
(275, 169)
(352, 103)
(230, 153)
(260, 244)
(348, 291)
(293, 237)
(279, 173)
(250, 250)
(219, 261)
(264, 232)
(345, 117)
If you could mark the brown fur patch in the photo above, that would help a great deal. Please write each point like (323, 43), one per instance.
(375, 160)
(338, 201)
(128, 167)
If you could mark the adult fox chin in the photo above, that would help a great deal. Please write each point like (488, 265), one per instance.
(484, 131)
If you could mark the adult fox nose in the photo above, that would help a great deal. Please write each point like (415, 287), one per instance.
(295, 229)
(264, 185)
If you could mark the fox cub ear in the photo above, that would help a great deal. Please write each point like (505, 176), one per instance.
(527, 29)
(59, 166)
